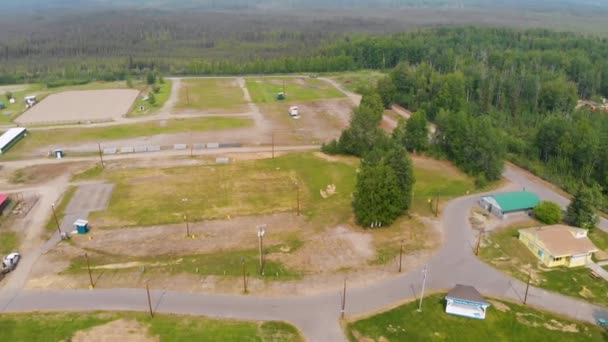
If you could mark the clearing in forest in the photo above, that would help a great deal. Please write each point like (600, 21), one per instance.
(297, 89)
(223, 94)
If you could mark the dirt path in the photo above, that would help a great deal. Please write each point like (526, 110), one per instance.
(262, 125)
(354, 98)
(173, 97)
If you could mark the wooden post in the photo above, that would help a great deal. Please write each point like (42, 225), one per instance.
(261, 233)
(400, 255)
(100, 155)
(436, 205)
(56, 220)
(343, 299)
(244, 275)
(272, 145)
(187, 225)
(528, 286)
(91, 285)
(187, 95)
(298, 198)
(479, 241)
(149, 300)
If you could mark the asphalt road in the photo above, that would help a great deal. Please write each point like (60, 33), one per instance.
(318, 316)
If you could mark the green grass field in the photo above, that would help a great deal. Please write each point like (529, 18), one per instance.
(505, 252)
(240, 189)
(211, 93)
(39, 138)
(63, 326)
(264, 90)
(51, 224)
(9, 241)
(504, 322)
(161, 97)
(357, 80)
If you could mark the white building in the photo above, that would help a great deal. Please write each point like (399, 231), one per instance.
(10, 138)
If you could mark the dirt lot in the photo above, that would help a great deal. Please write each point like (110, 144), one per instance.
(80, 106)
(119, 330)
(320, 121)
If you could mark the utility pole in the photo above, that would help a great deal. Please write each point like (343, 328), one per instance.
(188, 95)
(400, 255)
(100, 155)
(436, 205)
(284, 88)
(481, 232)
(187, 225)
(298, 198)
(343, 299)
(91, 285)
(244, 275)
(261, 232)
(56, 220)
(423, 285)
(528, 285)
(272, 145)
(149, 300)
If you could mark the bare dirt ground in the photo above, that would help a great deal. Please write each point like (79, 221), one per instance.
(80, 106)
(119, 330)
(39, 174)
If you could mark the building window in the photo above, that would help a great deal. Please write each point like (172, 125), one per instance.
(558, 259)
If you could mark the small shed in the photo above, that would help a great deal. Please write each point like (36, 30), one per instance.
(82, 226)
(466, 301)
(2, 105)
(509, 202)
(281, 96)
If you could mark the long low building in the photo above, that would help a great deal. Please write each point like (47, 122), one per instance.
(10, 138)
(509, 202)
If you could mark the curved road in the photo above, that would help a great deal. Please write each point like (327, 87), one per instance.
(317, 316)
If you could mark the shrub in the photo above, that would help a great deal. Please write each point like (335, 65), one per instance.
(549, 212)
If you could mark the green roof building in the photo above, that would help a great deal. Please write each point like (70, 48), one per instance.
(509, 202)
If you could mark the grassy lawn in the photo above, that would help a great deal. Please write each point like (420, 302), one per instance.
(264, 90)
(161, 196)
(436, 178)
(63, 326)
(504, 322)
(222, 263)
(9, 241)
(357, 80)
(161, 97)
(504, 252)
(39, 138)
(211, 93)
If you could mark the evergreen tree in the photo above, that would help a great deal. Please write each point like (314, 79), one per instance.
(377, 199)
(413, 133)
(581, 211)
(152, 99)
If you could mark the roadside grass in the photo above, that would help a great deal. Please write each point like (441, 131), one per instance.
(161, 97)
(504, 321)
(357, 80)
(211, 93)
(222, 263)
(599, 238)
(265, 90)
(387, 240)
(9, 241)
(255, 187)
(63, 326)
(437, 180)
(51, 225)
(504, 251)
(39, 138)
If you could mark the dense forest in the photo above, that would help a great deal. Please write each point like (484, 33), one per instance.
(496, 94)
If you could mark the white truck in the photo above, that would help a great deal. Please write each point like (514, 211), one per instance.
(9, 263)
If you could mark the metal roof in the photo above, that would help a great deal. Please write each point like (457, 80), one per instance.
(466, 293)
(516, 201)
(9, 136)
(3, 198)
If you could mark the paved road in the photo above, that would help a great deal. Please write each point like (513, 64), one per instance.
(318, 316)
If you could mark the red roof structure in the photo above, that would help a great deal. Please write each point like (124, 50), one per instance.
(3, 199)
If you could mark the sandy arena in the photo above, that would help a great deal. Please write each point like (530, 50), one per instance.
(80, 106)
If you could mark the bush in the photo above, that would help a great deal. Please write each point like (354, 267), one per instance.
(549, 212)
(156, 89)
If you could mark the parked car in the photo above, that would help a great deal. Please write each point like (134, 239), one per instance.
(9, 263)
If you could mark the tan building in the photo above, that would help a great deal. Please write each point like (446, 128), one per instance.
(558, 245)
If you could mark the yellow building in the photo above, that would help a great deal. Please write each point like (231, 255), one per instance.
(558, 245)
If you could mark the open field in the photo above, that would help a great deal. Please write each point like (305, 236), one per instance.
(50, 139)
(319, 122)
(357, 80)
(161, 97)
(505, 321)
(504, 251)
(300, 89)
(80, 106)
(9, 241)
(130, 326)
(216, 94)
